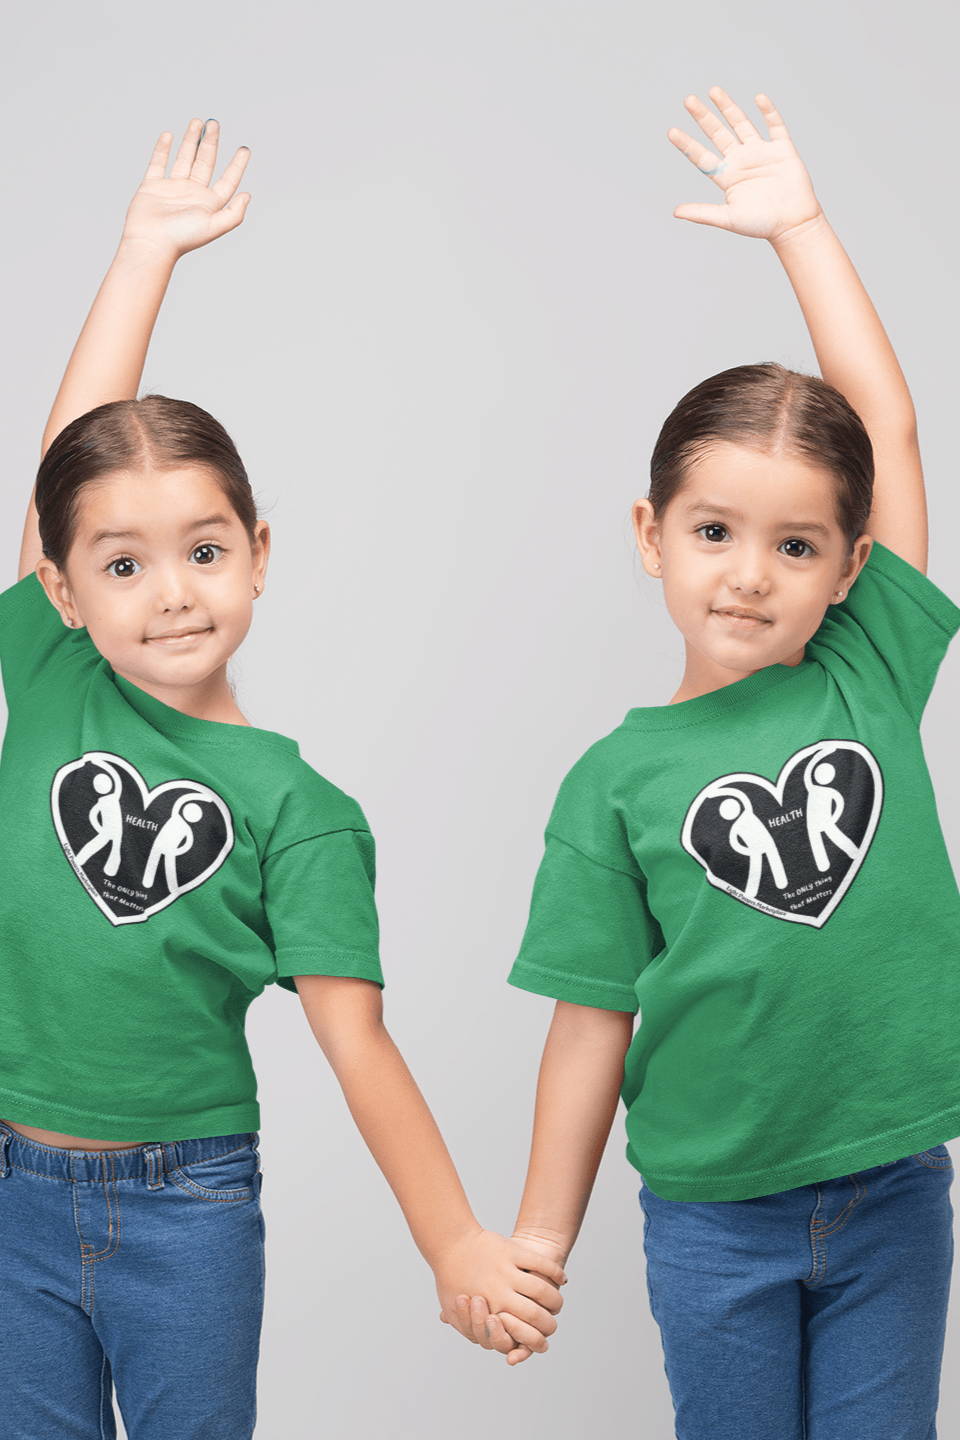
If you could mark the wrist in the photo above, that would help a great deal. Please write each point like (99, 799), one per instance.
(135, 252)
(440, 1247)
(557, 1243)
(808, 233)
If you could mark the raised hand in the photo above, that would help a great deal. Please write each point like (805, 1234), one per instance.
(183, 211)
(767, 191)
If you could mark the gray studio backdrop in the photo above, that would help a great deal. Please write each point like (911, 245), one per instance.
(445, 339)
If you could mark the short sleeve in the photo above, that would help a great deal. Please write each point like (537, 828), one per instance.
(590, 933)
(318, 897)
(893, 629)
(33, 639)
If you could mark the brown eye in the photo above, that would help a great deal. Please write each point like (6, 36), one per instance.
(715, 533)
(206, 554)
(796, 549)
(123, 568)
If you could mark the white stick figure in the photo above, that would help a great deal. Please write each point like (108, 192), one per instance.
(749, 836)
(824, 808)
(175, 838)
(106, 817)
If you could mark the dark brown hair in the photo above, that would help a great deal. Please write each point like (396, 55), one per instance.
(154, 432)
(770, 408)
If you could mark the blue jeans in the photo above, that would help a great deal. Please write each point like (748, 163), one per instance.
(136, 1268)
(813, 1314)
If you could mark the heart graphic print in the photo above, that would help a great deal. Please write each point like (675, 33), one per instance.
(791, 848)
(136, 850)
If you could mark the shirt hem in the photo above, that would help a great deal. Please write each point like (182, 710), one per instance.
(597, 994)
(350, 964)
(23, 1109)
(878, 1150)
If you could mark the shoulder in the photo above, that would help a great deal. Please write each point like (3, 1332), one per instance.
(34, 642)
(308, 805)
(590, 811)
(892, 630)
(600, 769)
(886, 574)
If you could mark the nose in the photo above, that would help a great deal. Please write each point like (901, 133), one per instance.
(749, 571)
(172, 590)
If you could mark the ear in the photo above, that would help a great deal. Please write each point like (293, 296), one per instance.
(647, 530)
(260, 548)
(58, 591)
(854, 564)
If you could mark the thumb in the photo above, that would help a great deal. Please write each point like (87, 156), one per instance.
(704, 215)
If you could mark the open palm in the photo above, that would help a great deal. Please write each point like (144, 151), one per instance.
(767, 191)
(183, 211)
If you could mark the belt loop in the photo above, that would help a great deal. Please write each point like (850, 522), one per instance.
(154, 1158)
(5, 1167)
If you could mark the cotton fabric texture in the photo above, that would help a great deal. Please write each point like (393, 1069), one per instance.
(760, 874)
(159, 872)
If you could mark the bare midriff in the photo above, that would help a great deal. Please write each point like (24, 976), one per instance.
(71, 1142)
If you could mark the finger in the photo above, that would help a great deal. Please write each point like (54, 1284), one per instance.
(461, 1321)
(524, 1333)
(158, 160)
(540, 1290)
(716, 215)
(206, 156)
(717, 133)
(497, 1336)
(473, 1316)
(741, 124)
(532, 1314)
(229, 217)
(548, 1270)
(183, 163)
(705, 160)
(775, 126)
(517, 1357)
(231, 176)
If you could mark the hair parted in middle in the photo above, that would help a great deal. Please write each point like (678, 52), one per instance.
(769, 407)
(153, 432)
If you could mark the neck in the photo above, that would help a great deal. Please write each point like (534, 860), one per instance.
(702, 676)
(211, 699)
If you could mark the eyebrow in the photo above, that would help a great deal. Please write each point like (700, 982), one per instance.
(207, 523)
(721, 512)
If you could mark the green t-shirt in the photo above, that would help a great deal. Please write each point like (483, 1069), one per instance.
(158, 872)
(760, 873)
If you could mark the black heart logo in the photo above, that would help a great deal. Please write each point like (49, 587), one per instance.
(136, 850)
(791, 849)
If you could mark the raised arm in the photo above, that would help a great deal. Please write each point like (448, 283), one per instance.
(768, 195)
(167, 217)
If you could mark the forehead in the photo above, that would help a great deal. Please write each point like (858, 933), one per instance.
(766, 487)
(152, 501)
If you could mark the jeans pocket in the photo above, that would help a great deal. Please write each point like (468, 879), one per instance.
(938, 1158)
(228, 1178)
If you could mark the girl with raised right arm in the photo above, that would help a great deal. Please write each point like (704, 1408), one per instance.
(757, 869)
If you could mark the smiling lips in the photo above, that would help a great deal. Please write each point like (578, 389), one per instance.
(741, 618)
(171, 636)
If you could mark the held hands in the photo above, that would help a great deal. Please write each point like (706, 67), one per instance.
(521, 1284)
(767, 190)
(183, 211)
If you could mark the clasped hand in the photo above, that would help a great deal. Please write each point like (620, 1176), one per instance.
(501, 1294)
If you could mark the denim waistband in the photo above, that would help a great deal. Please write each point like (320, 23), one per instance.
(143, 1161)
